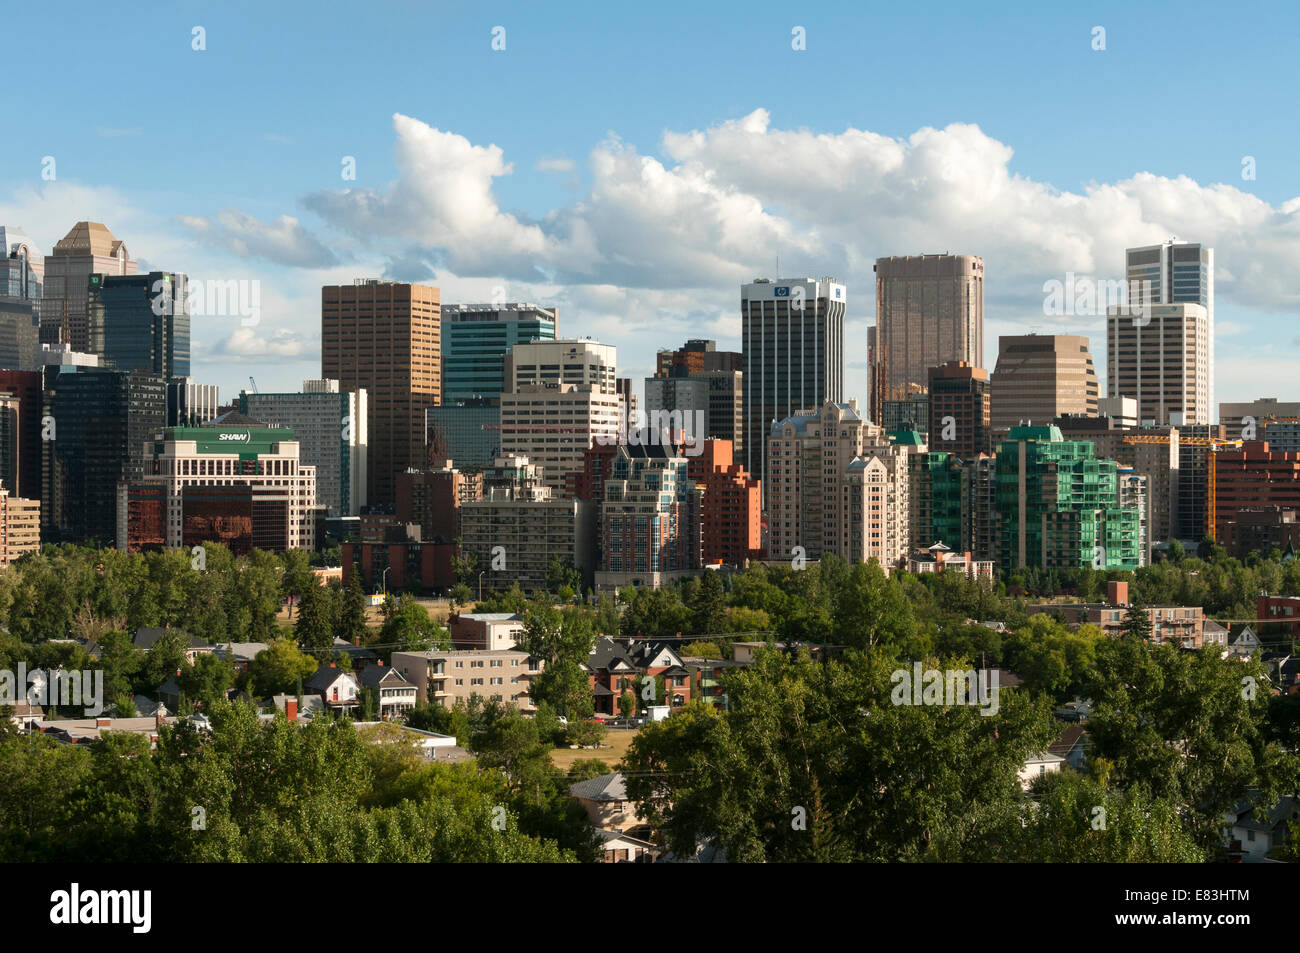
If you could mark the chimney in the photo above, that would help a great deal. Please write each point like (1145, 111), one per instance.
(1117, 593)
(356, 640)
(159, 718)
(291, 708)
(102, 722)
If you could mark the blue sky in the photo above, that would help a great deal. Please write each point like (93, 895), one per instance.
(632, 165)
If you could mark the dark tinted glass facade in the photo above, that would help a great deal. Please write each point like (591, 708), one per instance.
(141, 322)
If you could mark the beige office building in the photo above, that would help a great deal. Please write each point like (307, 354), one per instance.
(553, 425)
(20, 527)
(929, 310)
(1163, 360)
(1039, 377)
(385, 337)
(837, 485)
(88, 249)
(444, 678)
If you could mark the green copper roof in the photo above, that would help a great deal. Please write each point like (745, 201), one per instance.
(248, 442)
(911, 438)
(1049, 432)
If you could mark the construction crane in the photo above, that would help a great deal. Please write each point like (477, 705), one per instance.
(252, 383)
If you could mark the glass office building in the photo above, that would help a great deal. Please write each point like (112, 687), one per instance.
(477, 337)
(141, 322)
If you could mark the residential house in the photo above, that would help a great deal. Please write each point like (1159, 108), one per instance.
(1245, 645)
(1258, 832)
(607, 805)
(145, 638)
(1038, 765)
(621, 848)
(394, 695)
(337, 687)
(1072, 745)
(242, 653)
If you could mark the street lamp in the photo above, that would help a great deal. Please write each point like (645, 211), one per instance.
(386, 568)
(480, 585)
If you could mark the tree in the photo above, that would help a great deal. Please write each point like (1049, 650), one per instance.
(1187, 727)
(627, 704)
(407, 626)
(298, 577)
(560, 573)
(316, 620)
(585, 733)
(352, 614)
(461, 595)
(279, 668)
(1137, 622)
(708, 612)
(207, 680)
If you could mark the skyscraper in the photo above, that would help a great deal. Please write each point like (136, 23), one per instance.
(385, 337)
(477, 337)
(104, 420)
(1040, 377)
(22, 267)
(330, 426)
(88, 249)
(792, 337)
(959, 409)
(141, 322)
(1162, 358)
(1176, 273)
(929, 310)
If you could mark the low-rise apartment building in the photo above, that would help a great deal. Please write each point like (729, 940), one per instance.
(446, 677)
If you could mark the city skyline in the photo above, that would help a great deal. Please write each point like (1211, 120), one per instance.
(639, 224)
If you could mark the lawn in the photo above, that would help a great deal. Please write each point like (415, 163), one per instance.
(618, 740)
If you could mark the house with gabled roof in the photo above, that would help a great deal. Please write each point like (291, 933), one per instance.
(339, 689)
(1245, 645)
(394, 695)
(1072, 745)
(146, 637)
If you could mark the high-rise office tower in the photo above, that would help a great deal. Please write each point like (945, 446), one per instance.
(582, 362)
(792, 338)
(1039, 377)
(718, 395)
(1175, 272)
(554, 425)
(477, 337)
(88, 249)
(561, 397)
(697, 355)
(385, 337)
(104, 419)
(929, 310)
(959, 409)
(20, 348)
(22, 267)
(330, 426)
(27, 389)
(141, 322)
(190, 404)
(1161, 358)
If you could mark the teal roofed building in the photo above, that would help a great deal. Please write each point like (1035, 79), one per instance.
(1059, 506)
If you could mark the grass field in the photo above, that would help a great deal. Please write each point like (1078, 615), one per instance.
(618, 740)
